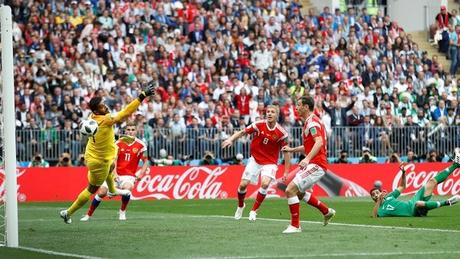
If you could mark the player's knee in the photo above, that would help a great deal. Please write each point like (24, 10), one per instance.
(92, 188)
(291, 190)
(264, 185)
(242, 186)
(419, 204)
(128, 187)
(102, 193)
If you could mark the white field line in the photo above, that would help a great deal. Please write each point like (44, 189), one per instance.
(264, 219)
(49, 252)
(338, 224)
(362, 254)
(340, 255)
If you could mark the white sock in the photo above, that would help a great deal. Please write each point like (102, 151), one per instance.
(307, 196)
(263, 191)
(293, 200)
(97, 198)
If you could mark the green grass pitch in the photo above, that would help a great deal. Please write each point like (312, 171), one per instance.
(206, 228)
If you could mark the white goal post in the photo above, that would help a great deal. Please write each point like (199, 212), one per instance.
(8, 133)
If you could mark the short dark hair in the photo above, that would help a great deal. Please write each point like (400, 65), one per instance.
(94, 103)
(374, 189)
(307, 100)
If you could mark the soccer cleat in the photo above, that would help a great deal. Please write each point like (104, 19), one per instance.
(328, 216)
(122, 215)
(239, 212)
(85, 218)
(65, 216)
(457, 155)
(252, 215)
(291, 229)
(119, 192)
(454, 199)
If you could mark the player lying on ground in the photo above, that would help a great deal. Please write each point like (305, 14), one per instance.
(269, 138)
(130, 151)
(101, 150)
(312, 167)
(388, 205)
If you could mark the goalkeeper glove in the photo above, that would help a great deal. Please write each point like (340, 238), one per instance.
(148, 90)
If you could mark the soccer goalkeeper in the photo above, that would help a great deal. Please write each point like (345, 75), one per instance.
(388, 205)
(101, 150)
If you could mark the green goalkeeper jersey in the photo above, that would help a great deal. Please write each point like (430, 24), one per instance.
(392, 207)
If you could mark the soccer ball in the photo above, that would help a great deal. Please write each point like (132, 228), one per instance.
(88, 127)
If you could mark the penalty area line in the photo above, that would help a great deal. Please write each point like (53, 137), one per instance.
(50, 252)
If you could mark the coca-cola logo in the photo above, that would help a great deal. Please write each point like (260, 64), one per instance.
(21, 196)
(195, 183)
(416, 180)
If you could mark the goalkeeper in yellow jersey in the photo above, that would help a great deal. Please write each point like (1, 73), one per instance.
(101, 150)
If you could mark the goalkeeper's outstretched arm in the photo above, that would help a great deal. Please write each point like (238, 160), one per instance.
(132, 106)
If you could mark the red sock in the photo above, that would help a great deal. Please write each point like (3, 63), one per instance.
(241, 199)
(96, 201)
(259, 199)
(313, 201)
(124, 202)
(295, 217)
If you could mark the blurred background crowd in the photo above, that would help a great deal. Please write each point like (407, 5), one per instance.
(217, 65)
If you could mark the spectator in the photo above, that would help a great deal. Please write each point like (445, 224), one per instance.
(165, 159)
(433, 156)
(65, 160)
(235, 160)
(208, 159)
(367, 157)
(200, 57)
(38, 161)
(343, 158)
(453, 48)
(439, 111)
(394, 158)
(440, 26)
(411, 157)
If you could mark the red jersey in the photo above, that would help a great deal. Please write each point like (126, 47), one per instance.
(266, 143)
(315, 128)
(129, 156)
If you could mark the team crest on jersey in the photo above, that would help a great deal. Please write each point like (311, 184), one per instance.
(135, 150)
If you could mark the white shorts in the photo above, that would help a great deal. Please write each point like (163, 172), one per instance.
(253, 170)
(121, 180)
(307, 177)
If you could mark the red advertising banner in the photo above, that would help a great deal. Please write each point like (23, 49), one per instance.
(220, 182)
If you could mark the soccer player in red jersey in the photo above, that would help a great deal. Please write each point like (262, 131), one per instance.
(312, 167)
(130, 151)
(269, 138)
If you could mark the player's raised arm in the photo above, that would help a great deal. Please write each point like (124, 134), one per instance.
(402, 181)
(248, 130)
(149, 90)
(229, 142)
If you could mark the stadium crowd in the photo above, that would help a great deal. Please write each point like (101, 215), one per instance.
(217, 65)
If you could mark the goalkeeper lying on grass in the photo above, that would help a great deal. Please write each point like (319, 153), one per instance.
(388, 205)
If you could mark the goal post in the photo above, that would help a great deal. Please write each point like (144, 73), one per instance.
(8, 131)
